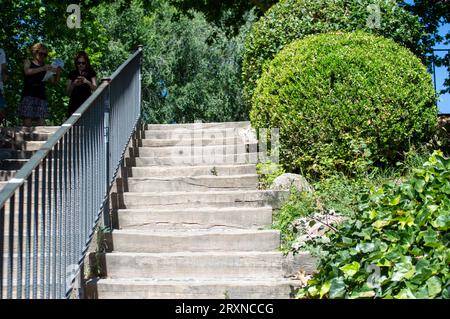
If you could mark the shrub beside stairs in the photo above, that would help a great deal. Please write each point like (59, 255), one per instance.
(190, 221)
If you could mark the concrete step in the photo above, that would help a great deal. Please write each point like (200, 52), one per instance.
(161, 242)
(246, 198)
(196, 151)
(199, 132)
(202, 160)
(7, 175)
(18, 160)
(32, 145)
(189, 219)
(12, 164)
(195, 265)
(206, 141)
(193, 183)
(213, 170)
(21, 137)
(12, 131)
(15, 154)
(214, 288)
(215, 125)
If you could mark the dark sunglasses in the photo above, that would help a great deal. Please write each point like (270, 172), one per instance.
(43, 54)
(81, 63)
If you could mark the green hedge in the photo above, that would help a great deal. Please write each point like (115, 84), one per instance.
(397, 247)
(345, 101)
(289, 20)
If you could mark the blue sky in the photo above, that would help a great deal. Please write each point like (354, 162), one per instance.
(441, 73)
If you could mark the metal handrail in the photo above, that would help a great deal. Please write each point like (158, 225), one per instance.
(40, 154)
(63, 191)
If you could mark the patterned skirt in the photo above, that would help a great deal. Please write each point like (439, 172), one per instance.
(33, 107)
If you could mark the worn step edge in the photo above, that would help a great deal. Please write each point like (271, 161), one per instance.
(269, 288)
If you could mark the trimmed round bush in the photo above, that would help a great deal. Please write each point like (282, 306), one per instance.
(345, 101)
(290, 20)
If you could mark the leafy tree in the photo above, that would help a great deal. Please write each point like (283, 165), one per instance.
(191, 68)
(232, 11)
(433, 14)
(194, 61)
(27, 22)
(290, 20)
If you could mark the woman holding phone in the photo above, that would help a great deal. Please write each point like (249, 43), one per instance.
(81, 83)
(34, 103)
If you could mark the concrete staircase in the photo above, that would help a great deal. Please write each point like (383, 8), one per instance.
(18, 145)
(192, 223)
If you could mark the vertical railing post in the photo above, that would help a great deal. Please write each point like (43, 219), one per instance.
(107, 109)
(141, 62)
(56, 218)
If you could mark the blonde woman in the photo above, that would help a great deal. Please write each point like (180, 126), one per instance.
(34, 104)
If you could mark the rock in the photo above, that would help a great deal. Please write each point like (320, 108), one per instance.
(288, 180)
(301, 262)
(311, 227)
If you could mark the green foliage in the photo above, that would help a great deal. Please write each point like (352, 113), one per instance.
(401, 231)
(229, 13)
(433, 14)
(345, 102)
(196, 62)
(337, 195)
(267, 173)
(191, 60)
(27, 22)
(299, 204)
(289, 20)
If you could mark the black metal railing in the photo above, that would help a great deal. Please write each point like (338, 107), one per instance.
(50, 209)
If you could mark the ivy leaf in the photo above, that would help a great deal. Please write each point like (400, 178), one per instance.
(405, 293)
(423, 271)
(312, 291)
(419, 185)
(442, 222)
(434, 286)
(325, 289)
(430, 238)
(350, 269)
(405, 221)
(422, 217)
(337, 288)
(362, 294)
(422, 292)
(395, 201)
(403, 270)
(366, 247)
(380, 224)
